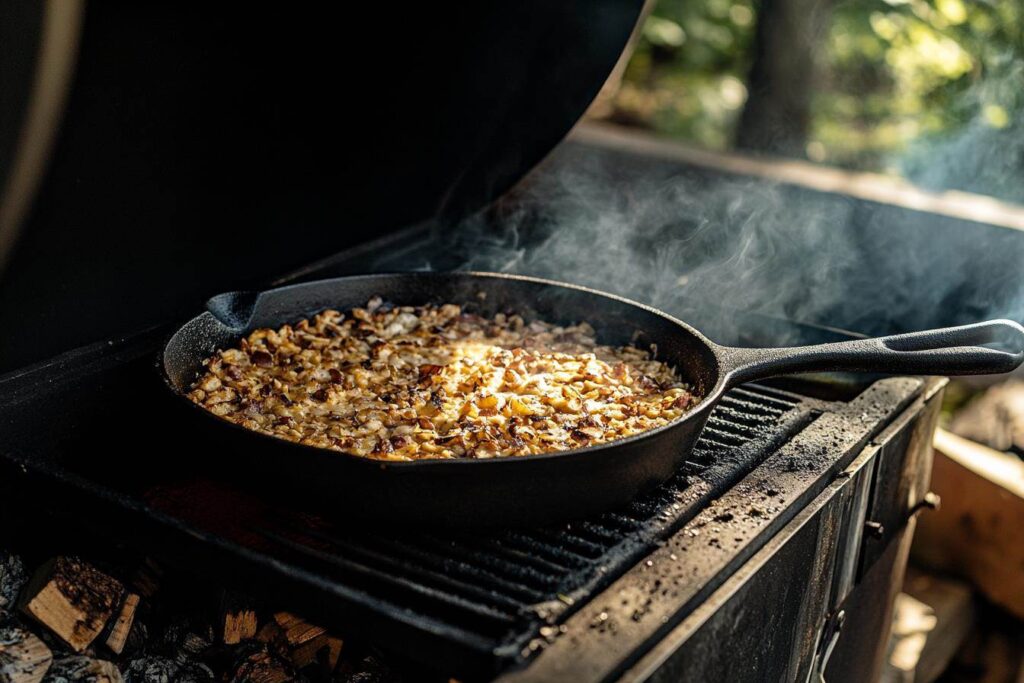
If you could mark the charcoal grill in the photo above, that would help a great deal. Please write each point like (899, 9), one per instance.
(587, 599)
(794, 512)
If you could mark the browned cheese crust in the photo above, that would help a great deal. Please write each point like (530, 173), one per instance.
(410, 383)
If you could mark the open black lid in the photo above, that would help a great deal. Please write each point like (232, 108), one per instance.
(209, 147)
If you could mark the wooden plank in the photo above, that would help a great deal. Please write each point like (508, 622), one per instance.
(976, 532)
(996, 418)
(1002, 469)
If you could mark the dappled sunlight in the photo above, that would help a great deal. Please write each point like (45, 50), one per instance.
(902, 87)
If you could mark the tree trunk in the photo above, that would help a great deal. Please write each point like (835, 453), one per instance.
(777, 114)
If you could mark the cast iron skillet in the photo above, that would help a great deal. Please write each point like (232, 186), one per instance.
(548, 487)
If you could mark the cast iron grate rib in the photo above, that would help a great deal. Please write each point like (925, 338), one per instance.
(494, 592)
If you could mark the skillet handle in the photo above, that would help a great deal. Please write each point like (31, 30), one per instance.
(947, 351)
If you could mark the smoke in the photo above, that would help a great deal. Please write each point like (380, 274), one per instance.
(663, 240)
(706, 246)
(986, 155)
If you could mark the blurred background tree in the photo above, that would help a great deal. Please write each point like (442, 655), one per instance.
(686, 75)
(932, 90)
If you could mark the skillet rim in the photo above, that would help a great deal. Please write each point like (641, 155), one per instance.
(706, 403)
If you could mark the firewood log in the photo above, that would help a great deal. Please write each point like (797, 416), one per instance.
(237, 621)
(303, 640)
(72, 599)
(122, 625)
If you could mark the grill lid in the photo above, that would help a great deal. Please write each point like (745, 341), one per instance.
(214, 149)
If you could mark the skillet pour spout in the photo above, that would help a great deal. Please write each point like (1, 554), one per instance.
(534, 489)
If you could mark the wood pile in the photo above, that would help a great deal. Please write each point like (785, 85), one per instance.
(71, 620)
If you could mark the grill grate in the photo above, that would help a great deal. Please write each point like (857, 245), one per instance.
(493, 593)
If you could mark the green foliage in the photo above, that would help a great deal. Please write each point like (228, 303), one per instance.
(904, 84)
(900, 75)
(685, 78)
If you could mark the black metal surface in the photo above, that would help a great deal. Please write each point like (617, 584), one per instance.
(563, 485)
(215, 149)
(802, 579)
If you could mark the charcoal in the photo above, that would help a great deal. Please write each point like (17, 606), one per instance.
(81, 669)
(184, 640)
(137, 639)
(169, 639)
(195, 672)
(369, 670)
(157, 669)
(254, 661)
(152, 670)
(12, 579)
(192, 645)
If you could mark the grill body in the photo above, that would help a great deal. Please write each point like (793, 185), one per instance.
(760, 520)
(816, 598)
